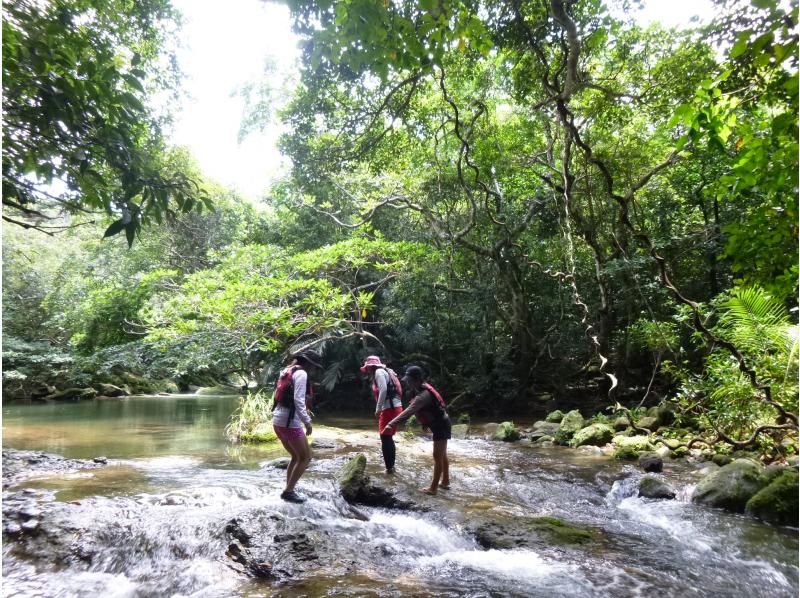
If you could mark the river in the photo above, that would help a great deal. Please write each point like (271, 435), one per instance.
(156, 519)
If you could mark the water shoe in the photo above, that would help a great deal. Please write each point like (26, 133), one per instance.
(292, 496)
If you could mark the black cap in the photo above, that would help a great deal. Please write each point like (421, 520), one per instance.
(311, 357)
(415, 372)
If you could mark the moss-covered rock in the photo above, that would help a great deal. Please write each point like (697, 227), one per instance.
(731, 486)
(621, 423)
(217, 390)
(532, 532)
(353, 477)
(554, 416)
(777, 503)
(594, 435)
(506, 432)
(630, 447)
(572, 422)
(648, 423)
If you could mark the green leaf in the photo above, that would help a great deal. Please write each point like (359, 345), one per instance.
(114, 229)
(130, 232)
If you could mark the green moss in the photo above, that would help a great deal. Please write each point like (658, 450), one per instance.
(554, 416)
(596, 435)
(560, 532)
(259, 436)
(778, 502)
(506, 432)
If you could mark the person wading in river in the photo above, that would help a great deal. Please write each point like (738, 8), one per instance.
(387, 392)
(431, 411)
(291, 419)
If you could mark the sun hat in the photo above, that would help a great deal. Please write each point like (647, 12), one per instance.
(371, 361)
(413, 371)
(311, 357)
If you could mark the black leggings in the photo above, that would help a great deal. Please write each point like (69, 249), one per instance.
(388, 450)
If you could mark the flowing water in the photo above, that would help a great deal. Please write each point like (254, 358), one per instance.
(155, 520)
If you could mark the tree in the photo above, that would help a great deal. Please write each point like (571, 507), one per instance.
(77, 135)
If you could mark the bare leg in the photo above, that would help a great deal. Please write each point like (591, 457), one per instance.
(302, 452)
(445, 481)
(439, 453)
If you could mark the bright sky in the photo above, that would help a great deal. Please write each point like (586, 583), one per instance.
(225, 46)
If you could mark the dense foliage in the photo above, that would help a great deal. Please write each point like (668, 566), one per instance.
(540, 202)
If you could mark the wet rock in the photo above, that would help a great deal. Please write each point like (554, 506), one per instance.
(19, 465)
(506, 432)
(730, 487)
(594, 435)
(29, 512)
(279, 463)
(651, 462)
(572, 422)
(653, 487)
(532, 533)
(323, 444)
(12, 528)
(250, 565)
(100, 460)
(234, 529)
(777, 503)
(30, 526)
(489, 430)
(356, 487)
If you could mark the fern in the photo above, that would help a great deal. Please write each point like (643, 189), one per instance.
(756, 321)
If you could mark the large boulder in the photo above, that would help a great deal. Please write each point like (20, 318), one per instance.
(594, 435)
(654, 487)
(777, 502)
(731, 486)
(572, 422)
(506, 432)
(630, 447)
(648, 423)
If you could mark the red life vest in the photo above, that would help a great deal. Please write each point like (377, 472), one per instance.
(435, 412)
(284, 390)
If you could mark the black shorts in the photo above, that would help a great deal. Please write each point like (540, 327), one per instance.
(441, 429)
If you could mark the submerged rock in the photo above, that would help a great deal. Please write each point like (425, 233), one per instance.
(777, 503)
(460, 431)
(731, 486)
(532, 532)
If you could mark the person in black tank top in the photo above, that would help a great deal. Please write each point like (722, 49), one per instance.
(431, 411)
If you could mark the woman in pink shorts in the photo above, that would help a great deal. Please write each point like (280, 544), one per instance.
(292, 421)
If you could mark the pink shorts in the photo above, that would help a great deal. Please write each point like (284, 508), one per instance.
(287, 434)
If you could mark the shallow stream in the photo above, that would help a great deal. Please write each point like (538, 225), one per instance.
(156, 519)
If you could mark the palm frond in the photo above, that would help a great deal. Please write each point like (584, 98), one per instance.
(754, 319)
